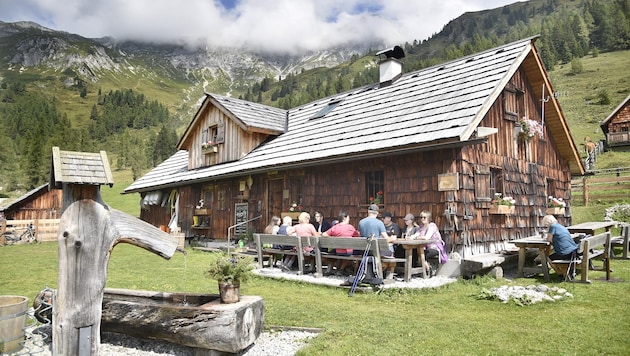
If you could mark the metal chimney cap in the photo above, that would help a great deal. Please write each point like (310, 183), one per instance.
(395, 52)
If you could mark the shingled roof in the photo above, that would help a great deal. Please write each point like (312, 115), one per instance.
(79, 168)
(431, 108)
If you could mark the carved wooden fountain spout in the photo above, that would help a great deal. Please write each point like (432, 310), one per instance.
(88, 231)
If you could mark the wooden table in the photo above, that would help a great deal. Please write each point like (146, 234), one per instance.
(591, 227)
(543, 247)
(409, 246)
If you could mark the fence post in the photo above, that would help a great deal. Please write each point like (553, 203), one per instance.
(3, 228)
(585, 190)
(36, 229)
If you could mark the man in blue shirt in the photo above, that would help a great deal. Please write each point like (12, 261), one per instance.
(560, 238)
(371, 225)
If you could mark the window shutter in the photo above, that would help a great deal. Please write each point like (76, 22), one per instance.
(482, 184)
(220, 134)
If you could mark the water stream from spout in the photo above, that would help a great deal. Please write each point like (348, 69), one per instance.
(183, 251)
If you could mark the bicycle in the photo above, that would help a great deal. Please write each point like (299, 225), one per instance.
(27, 236)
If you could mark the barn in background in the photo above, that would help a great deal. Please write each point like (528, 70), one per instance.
(616, 127)
(38, 203)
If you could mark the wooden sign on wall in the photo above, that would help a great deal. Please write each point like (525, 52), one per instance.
(448, 181)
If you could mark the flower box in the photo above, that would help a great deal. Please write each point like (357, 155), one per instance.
(210, 149)
(293, 214)
(202, 211)
(501, 209)
(555, 211)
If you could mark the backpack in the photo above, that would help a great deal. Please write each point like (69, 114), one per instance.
(368, 274)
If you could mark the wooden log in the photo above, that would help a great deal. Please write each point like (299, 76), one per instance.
(190, 319)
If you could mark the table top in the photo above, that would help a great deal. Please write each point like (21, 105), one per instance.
(591, 226)
(412, 241)
(530, 241)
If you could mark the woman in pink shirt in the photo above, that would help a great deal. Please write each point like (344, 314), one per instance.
(304, 228)
(342, 229)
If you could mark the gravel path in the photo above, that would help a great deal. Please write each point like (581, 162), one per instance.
(277, 343)
(269, 343)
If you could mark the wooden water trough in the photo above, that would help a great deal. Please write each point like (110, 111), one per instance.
(189, 319)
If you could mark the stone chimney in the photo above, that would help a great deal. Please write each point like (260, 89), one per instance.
(390, 67)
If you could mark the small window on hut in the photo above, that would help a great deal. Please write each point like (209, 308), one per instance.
(488, 182)
(496, 181)
(551, 188)
(374, 187)
(513, 103)
(221, 199)
(214, 134)
(208, 196)
(295, 189)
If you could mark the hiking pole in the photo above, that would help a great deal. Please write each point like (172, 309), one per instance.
(362, 265)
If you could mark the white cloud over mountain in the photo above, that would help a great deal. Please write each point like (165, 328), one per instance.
(261, 25)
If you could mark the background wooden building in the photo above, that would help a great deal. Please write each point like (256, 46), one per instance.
(38, 203)
(616, 127)
(445, 139)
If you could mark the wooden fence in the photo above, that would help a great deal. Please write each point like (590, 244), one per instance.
(606, 185)
(45, 229)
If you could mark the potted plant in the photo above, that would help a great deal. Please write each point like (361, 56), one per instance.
(230, 272)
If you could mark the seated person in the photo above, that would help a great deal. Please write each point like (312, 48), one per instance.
(428, 230)
(342, 229)
(563, 245)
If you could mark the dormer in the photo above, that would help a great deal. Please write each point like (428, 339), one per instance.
(226, 129)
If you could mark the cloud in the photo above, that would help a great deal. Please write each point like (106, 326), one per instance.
(269, 25)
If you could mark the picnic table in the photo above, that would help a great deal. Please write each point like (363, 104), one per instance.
(410, 245)
(543, 247)
(591, 227)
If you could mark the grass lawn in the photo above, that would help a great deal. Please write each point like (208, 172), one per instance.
(448, 320)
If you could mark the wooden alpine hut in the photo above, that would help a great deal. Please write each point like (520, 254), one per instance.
(449, 139)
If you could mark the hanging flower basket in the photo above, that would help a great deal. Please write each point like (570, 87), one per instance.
(530, 128)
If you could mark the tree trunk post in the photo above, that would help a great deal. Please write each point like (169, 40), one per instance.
(88, 231)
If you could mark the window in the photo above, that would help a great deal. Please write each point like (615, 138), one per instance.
(295, 188)
(221, 199)
(328, 108)
(214, 134)
(488, 182)
(208, 196)
(513, 103)
(551, 188)
(496, 181)
(374, 187)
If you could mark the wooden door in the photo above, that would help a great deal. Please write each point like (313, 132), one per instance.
(274, 202)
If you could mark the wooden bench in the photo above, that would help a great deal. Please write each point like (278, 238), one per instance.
(263, 240)
(622, 240)
(357, 244)
(589, 251)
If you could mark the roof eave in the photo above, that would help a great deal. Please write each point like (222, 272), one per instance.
(431, 146)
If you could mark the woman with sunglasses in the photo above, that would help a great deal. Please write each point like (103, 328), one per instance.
(428, 230)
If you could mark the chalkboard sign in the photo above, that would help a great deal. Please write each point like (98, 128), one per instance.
(240, 215)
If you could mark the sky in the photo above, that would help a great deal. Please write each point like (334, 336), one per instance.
(282, 26)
